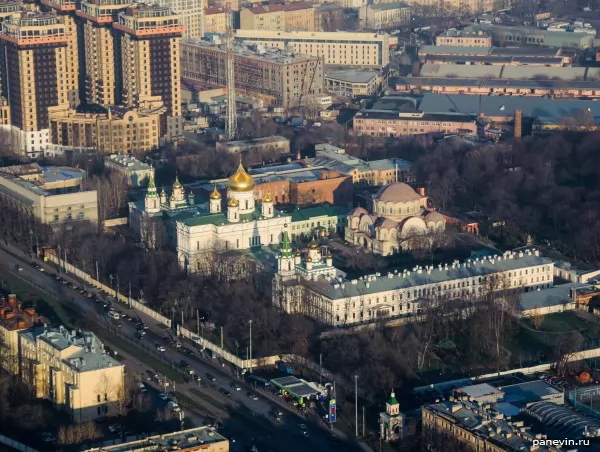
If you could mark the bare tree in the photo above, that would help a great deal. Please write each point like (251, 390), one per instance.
(537, 317)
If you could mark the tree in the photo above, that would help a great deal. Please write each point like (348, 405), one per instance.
(73, 434)
(537, 317)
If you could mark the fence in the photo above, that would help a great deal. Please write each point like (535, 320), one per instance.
(15, 444)
(584, 398)
(224, 354)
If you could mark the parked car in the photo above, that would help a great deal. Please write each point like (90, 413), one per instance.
(161, 348)
(252, 396)
(18, 268)
(163, 396)
(236, 387)
(210, 377)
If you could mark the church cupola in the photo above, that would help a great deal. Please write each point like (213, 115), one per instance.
(392, 407)
(329, 259)
(191, 198)
(267, 205)
(233, 210)
(286, 264)
(298, 257)
(163, 196)
(309, 263)
(215, 201)
(313, 250)
(178, 193)
(241, 187)
(152, 201)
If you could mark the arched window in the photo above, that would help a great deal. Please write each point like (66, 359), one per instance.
(246, 204)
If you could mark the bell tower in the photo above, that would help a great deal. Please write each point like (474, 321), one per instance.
(286, 265)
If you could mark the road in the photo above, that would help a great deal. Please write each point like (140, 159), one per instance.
(243, 416)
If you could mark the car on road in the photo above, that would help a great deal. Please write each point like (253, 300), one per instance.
(64, 282)
(72, 286)
(118, 325)
(302, 426)
(141, 326)
(48, 437)
(252, 396)
(18, 268)
(210, 377)
(161, 348)
(163, 396)
(236, 387)
(114, 428)
(304, 433)
(139, 335)
(142, 387)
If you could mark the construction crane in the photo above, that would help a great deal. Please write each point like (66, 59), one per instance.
(231, 124)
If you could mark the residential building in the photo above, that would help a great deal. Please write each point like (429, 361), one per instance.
(352, 83)
(336, 301)
(150, 61)
(459, 38)
(52, 194)
(191, 15)
(232, 5)
(72, 370)
(319, 220)
(329, 17)
(299, 16)
(65, 9)
(354, 4)
(33, 70)
(334, 48)
(400, 219)
(268, 144)
(383, 16)
(194, 439)
(277, 77)
(14, 318)
(119, 130)
(103, 83)
(454, 6)
(390, 124)
(10, 8)
(137, 173)
(374, 173)
(215, 20)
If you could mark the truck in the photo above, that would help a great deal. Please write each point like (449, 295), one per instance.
(285, 367)
(297, 122)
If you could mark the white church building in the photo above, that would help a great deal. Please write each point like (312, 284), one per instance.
(233, 223)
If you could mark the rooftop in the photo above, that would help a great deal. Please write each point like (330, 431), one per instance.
(496, 51)
(394, 115)
(553, 296)
(255, 141)
(185, 440)
(14, 317)
(453, 32)
(325, 210)
(352, 75)
(479, 390)
(35, 178)
(277, 7)
(127, 161)
(530, 391)
(388, 6)
(256, 52)
(417, 277)
(87, 353)
(506, 105)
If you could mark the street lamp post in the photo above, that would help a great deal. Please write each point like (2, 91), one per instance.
(356, 404)
(250, 349)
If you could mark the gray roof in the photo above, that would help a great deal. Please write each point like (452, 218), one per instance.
(372, 284)
(554, 296)
(496, 83)
(351, 75)
(528, 392)
(563, 420)
(527, 72)
(388, 6)
(453, 50)
(506, 105)
(459, 70)
(480, 390)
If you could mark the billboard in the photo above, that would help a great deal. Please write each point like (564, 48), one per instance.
(332, 411)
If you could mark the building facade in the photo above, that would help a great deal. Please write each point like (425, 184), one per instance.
(267, 144)
(150, 61)
(215, 20)
(299, 16)
(400, 220)
(276, 77)
(102, 50)
(33, 70)
(334, 48)
(392, 124)
(119, 130)
(350, 83)
(392, 421)
(138, 173)
(50, 194)
(460, 38)
(72, 370)
(65, 9)
(191, 15)
(337, 301)
(383, 16)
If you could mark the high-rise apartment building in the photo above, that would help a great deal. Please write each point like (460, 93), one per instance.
(150, 36)
(33, 63)
(191, 15)
(102, 52)
(298, 16)
(65, 9)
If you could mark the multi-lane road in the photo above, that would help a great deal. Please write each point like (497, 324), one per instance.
(249, 421)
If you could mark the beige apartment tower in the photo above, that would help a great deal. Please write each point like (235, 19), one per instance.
(102, 52)
(65, 9)
(191, 15)
(150, 37)
(33, 61)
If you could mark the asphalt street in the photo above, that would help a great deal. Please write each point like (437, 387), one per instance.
(240, 415)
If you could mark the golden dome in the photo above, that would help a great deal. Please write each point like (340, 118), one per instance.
(177, 184)
(215, 193)
(233, 202)
(241, 180)
(313, 245)
(298, 253)
(267, 197)
(309, 259)
(329, 254)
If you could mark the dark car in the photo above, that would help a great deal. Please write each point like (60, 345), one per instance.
(211, 377)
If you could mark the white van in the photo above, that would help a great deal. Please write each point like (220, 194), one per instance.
(114, 315)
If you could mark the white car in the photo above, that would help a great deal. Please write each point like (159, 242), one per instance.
(163, 396)
(161, 348)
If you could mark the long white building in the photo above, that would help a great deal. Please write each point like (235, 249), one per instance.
(334, 300)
